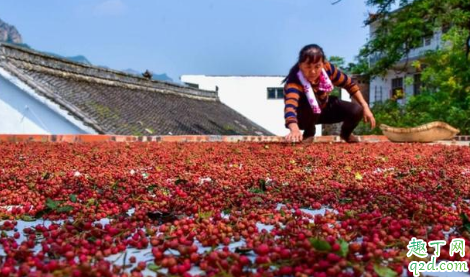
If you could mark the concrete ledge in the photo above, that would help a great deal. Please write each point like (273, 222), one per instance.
(459, 140)
(188, 138)
(462, 138)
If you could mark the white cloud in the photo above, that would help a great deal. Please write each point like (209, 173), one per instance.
(110, 8)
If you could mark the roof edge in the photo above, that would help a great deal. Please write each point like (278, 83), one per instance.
(11, 51)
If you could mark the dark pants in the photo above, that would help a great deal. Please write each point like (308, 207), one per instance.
(336, 111)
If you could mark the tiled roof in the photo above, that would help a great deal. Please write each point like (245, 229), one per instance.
(113, 102)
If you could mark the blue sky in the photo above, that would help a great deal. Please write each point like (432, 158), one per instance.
(212, 37)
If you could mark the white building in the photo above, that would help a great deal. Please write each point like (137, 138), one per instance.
(259, 98)
(403, 80)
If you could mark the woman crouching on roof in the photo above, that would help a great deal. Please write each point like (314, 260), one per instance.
(308, 102)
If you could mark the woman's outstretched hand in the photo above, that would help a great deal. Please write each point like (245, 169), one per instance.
(369, 117)
(367, 114)
(295, 135)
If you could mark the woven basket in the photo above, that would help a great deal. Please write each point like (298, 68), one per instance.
(429, 132)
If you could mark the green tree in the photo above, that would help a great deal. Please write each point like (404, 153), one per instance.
(401, 30)
(445, 72)
(338, 62)
(361, 67)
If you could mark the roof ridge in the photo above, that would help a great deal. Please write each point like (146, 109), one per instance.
(44, 60)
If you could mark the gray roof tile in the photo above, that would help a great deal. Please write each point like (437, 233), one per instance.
(114, 102)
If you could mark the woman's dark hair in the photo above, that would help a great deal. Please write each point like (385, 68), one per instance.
(311, 53)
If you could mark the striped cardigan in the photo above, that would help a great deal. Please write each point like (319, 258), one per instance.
(293, 90)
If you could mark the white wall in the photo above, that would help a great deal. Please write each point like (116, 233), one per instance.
(21, 113)
(248, 96)
(385, 83)
(434, 43)
(380, 87)
(344, 95)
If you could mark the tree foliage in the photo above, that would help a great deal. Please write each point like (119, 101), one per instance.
(399, 31)
(445, 72)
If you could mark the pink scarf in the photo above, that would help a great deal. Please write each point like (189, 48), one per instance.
(324, 85)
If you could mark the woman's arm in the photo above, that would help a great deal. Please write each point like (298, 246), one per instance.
(291, 102)
(342, 80)
(368, 116)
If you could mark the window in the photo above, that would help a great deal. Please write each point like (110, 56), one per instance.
(191, 85)
(417, 84)
(427, 41)
(397, 88)
(275, 93)
(378, 94)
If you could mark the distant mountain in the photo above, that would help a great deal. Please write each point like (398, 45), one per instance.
(9, 33)
(159, 77)
(79, 59)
